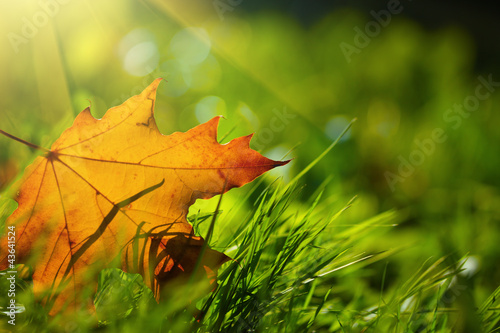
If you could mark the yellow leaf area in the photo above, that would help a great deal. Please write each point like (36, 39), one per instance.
(115, 192)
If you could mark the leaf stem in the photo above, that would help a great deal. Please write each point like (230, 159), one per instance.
(29, 144)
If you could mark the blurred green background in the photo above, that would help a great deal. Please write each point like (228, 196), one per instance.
(295, 74)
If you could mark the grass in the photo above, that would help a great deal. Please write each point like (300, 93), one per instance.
(297, 268)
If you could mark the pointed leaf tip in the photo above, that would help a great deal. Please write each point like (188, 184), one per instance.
(281, 163)
(247, 139)
(150, 91)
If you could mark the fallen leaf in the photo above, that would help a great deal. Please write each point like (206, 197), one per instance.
(116, 192)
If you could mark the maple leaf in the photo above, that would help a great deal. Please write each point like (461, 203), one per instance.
(116, 192)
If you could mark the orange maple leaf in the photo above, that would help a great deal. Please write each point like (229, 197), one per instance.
(116, 192)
